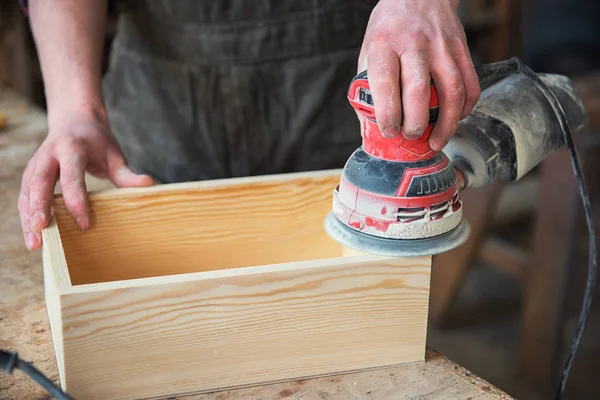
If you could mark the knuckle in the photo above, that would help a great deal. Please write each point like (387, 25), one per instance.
(75, 203)
(381, 38)
(455, 88)
(458, 43)
(70, 181)
(48, 148)
(34, 185)
(381, 83)
(22, 202)
(76, 158)
(417, 88)
(73, 145)
(38, 202)
(416, 99)
(474, 95)
(40, 178)
(418, 39)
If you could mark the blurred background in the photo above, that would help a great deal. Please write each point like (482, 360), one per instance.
(504, 305)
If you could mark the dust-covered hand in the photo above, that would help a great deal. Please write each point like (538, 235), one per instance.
(407, 42)
(75, 145)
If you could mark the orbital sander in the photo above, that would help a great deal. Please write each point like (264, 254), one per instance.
(398, 197)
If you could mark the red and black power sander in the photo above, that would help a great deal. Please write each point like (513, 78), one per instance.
(398, 197)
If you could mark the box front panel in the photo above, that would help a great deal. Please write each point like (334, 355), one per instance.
(205, 335)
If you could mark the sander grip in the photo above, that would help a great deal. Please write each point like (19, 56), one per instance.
(513, 128)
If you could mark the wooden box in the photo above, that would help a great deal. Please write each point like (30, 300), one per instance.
(196, 287)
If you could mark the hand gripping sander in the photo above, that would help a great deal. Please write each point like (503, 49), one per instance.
(398, 197)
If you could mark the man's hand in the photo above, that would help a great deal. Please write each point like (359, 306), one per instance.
(75, 146)
(406, 42)
(69, 36)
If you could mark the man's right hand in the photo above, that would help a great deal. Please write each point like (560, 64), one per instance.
(76, 146)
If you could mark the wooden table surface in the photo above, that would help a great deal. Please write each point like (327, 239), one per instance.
(24, 326)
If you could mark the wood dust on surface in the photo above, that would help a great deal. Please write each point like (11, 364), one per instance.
(24, 325)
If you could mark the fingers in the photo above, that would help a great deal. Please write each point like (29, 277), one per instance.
(415, 93)
(32, 239)
(469, 77)
(451, 94)
(67, 157)
(41, 190)
(121, 175)
(73, 162)
(37, 188)
(384, 82)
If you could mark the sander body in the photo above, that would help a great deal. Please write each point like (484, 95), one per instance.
(398, 197)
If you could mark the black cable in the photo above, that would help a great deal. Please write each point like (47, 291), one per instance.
(10, 361)
(587, 208)
(498, 70)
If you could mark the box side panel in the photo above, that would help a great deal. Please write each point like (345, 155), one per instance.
(195, 229)
(197, 336)
(53, 306)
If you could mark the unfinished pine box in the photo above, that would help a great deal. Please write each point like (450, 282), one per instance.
(196, 287)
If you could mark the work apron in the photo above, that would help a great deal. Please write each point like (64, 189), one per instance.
(205, 89)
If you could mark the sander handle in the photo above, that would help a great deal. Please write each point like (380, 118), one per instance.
(533, 115)
(513, 127)
(359, 93)
(498, 70)
(398, 148)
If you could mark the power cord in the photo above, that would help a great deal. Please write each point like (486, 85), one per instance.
(587, 208)
(501, 69)
(10, 361)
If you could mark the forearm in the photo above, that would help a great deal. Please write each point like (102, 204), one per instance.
(69, 36)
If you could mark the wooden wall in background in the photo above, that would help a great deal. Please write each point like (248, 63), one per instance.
(493, 28)
(19, 69)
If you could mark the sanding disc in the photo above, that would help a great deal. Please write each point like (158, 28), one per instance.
(366, 243)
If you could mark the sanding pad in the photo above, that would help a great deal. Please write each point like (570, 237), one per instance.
(395, 247)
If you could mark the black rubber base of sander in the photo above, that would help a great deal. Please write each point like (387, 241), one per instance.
(370, 244)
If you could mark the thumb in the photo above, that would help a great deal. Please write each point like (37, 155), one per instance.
(121, 175)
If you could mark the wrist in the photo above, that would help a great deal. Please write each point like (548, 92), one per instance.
(74, 110)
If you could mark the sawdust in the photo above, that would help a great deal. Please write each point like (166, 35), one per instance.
(420, 229)
(24, 326)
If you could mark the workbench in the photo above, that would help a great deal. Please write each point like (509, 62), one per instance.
(24, 326)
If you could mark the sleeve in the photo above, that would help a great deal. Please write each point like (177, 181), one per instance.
(24, 6)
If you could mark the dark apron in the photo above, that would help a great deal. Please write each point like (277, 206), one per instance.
(204, 89)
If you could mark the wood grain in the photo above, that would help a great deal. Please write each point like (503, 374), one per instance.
(57, 281)
(183, 228)
(201, 335)
(201, 286)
